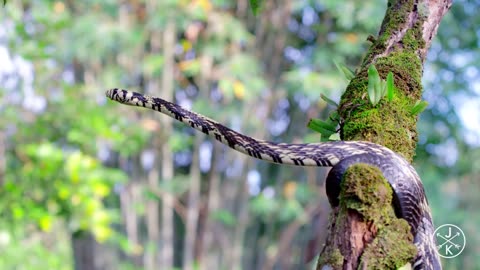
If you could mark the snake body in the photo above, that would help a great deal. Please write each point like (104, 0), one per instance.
(409, 196)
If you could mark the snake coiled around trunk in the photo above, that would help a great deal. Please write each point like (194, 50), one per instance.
(409, 195)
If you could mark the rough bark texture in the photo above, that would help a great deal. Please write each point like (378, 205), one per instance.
(358, 237)
(364, 230)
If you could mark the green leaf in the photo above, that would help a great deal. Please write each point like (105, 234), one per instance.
(334, 137)
(374, 85)
(255, 6)
(153, 64)
(419, 107)
(344, 70)
(334, 117)
(383, 88)
(291, 210)
(319, 125)
(263, 206)
(190, 67)
(390, 86)
(329, 101)
(325, 128)
(224, 217)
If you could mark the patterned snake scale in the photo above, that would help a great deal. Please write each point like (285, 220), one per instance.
(409, 199)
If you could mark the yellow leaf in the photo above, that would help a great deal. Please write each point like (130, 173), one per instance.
(186, 45)
(92, 207)
(289, 189)
(101, 218)
(203, 4)
(45, 223)
(351, 37)
(238, 89)
(102, 233)
(59, 7)
(75, 177)
(101, 190)
(89, 162)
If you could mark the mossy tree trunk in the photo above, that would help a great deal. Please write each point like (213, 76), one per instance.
(364, 232)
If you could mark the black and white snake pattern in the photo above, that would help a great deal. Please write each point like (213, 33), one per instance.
(409, 196)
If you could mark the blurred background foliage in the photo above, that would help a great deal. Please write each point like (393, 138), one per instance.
(87, 184)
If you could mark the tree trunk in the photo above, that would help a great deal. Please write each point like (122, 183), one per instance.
(166, 252)
(209, 250)
(401, 47)
(88, 254)
(151, 255)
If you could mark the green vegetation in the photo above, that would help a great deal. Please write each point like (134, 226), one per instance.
(377, 87)
(78, 171)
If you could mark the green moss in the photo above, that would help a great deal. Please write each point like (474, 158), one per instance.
(395, 21)
(389, 123)
(391, 240)
(413, 40)
(395, 18)
(365, 190)
(407, 68)
(333, 258)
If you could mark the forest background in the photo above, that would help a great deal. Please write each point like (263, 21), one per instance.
(89, 184)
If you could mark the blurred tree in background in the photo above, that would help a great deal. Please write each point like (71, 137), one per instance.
(87, 184)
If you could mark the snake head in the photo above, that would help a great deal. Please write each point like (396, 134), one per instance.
(130, 98)
(116, 94)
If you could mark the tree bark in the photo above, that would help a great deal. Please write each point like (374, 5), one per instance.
(194, 197)
(401, 47)
(152, 219)
(210, 260)
(167, 233)
(88, 254)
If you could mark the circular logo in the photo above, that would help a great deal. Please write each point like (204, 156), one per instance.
(450, 241)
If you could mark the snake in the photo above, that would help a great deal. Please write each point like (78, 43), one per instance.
(409, 199)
